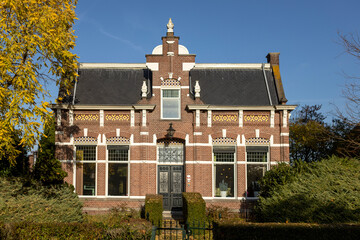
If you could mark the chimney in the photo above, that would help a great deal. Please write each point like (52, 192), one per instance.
(273, 58)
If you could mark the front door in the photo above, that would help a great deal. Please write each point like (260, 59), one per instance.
(171, 185)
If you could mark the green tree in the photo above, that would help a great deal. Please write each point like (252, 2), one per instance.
(309, 135)
(21, 166)
(35, 39)
(48, 168)
(325, 191)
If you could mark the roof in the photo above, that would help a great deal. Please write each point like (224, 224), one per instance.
(235, 86)
(221, 84)
(110, 86)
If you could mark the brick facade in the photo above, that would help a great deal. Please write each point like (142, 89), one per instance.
(142, 128)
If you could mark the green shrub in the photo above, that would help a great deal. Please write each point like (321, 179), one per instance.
(213, 212)
(131, 229)
(233, 230)
(154, 208)
(193, 207)
(24, 201)
(326, 192)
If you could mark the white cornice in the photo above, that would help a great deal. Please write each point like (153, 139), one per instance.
(111, 65)
(231, 65)
(216, 107)
(103, 107)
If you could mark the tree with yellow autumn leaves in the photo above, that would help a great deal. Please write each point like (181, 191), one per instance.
(35, 41)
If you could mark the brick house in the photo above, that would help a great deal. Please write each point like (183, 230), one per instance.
(171, 125)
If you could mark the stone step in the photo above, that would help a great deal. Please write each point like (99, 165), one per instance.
(173, 215)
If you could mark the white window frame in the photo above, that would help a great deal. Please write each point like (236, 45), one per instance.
(162, 99)
(86, 161)
(224, 163)
(107, 172)
(267, 163)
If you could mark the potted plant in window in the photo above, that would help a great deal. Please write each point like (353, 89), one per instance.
(223, 188)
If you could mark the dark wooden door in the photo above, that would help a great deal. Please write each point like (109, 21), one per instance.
(171, 185)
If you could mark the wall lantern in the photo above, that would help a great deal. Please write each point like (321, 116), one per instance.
(170, 131)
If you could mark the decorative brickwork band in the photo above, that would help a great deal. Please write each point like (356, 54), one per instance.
(117, 117)
(86, 117)
(224, 141)
(117, 140)
(170, 82)
(256, 118)
(257, 141)
(225, 118)
(170, 142)
(91, 140)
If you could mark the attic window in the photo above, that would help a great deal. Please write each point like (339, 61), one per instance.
(170, 104)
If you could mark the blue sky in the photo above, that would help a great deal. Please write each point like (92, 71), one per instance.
(304, 32)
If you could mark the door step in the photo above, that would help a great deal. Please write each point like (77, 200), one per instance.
(176, 215)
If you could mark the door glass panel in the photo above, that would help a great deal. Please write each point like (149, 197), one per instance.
(176, 182)
(164, 182)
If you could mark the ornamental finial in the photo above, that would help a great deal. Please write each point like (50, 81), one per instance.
(197, 89)
(170, 26)
(144, 90)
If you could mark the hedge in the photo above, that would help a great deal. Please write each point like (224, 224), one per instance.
(154, 208)
(130, 230)
(228, 229)
(26, 230)
(193, 207)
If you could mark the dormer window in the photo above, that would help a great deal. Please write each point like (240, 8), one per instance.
(170, 104)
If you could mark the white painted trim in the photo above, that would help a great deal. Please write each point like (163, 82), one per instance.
(187, 66)
(230, 108)
(144, 133)
(152, 66)
(285, 118)
(197, 118)
(137, 197)
(257, 133)
(63, 143)
(280, 145)
(71, 117)
(272, 118)
(111, 65)
(144, 118)
(132, 118)
(241, 118)
(169, 87)
(118, 132)
(232, 65)
(197, 133)
(101, 118)
(85, 132)
(209, 120)
(58, 117)
(143, 161)
(284, 134)
(198, 162)
(224, 133)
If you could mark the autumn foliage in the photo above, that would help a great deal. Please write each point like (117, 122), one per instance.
(35, 40)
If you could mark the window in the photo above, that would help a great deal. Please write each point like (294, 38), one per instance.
(86, 170)
(170, 104)
(224, 169)
(257, 164)
(118, 158)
